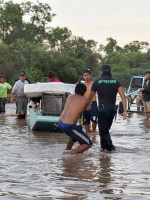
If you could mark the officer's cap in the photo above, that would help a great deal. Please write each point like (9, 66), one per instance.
(106, 68)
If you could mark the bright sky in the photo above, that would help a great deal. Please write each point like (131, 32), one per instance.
(123, 20)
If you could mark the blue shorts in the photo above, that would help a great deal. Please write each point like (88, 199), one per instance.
(91, 115)
(75, 133)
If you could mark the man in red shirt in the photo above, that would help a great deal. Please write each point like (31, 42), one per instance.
(51, 78)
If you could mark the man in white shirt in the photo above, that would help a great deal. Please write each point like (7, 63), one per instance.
(21, 99)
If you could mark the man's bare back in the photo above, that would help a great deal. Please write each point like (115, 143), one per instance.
(75, 105)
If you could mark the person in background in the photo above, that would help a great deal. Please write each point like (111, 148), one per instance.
(51, 78)
(139, 103)
(146, 95)
(81, 80)
(91, 113)
(4, 87)
(74, 106)
(21, 99)
(107, 88)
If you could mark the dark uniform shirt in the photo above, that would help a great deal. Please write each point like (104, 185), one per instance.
(106, 88)
(146, 93)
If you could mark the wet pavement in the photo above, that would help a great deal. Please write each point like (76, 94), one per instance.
(33, 165)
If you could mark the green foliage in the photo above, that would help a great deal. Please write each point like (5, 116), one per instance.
(40, 14)
(32, 45)
(10, 21)
(6, 61)
(66, 68)
(125, 76)
(57, 38)
(13, 27)
(34, 74)
(132, 59)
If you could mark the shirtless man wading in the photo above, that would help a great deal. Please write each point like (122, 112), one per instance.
(75, 105)
(91, 113)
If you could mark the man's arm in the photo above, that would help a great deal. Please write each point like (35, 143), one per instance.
(93, 91)
(12, 93)
(124, 102)
(146, 89)
(9, 87)
(12, 98)
(91, 95)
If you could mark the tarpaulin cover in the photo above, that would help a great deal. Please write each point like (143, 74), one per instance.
(36, 90)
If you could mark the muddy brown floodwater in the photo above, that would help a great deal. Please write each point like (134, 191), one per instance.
(33, 166)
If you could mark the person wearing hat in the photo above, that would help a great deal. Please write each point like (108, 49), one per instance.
(4, 87)
(107, 88)
(21, 99)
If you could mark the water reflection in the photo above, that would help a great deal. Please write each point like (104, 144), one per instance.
(91, 177)
(145, 125)
(105, 173)
(33, 165)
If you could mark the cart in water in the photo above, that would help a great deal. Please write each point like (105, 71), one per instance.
(133, 95)
(53, 95)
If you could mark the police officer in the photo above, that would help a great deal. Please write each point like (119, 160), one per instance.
(107, 87)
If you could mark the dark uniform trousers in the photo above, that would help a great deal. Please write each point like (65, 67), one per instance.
(105, 119)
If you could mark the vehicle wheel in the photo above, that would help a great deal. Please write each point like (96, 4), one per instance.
(120, 107)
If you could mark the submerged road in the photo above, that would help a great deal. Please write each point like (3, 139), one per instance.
(33, 165)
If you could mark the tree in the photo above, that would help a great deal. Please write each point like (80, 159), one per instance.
(57, 38)
(81, 49)
(6, 62)
(32, 45)
(10, 21)
(136, 46)
(13, 26)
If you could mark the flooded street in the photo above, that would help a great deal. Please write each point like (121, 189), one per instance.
(33, 165)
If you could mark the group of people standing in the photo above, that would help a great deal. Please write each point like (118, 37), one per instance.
(18, 91)
(106, 88)
(83, 102)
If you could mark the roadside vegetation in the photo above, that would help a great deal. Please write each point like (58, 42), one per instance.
(29, 43)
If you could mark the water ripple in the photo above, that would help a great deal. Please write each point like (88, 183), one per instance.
(33, 165)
